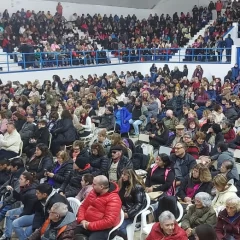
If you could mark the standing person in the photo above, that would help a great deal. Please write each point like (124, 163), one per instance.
(100, 211)
(219, 7)
(59, 9)
(19, 218)
(228, 45)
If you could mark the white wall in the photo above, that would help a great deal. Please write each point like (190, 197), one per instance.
(219, 70)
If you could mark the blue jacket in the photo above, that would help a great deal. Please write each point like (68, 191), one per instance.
(228, 42)
(212, 94)
(125, 117)
(235, 71)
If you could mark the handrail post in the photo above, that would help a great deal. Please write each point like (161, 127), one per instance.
(24, 61)
(41, 61)
(7, 62)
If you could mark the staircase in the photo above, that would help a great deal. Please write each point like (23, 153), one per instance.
(180, 55)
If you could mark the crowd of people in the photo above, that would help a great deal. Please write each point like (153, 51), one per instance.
(81, 138)
(45, 39)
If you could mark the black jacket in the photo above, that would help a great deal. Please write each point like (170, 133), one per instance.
(72, 184)
(100, 165)
(188, 183)
(124, 162)
(42, 135)
(4, 176)
(39, 164)
(231, 114)
(64, 131)
(28, 198)
(83, 153)
(159, 139)
(107, 121)
(42, 208)
(187, 163)
(135, 202)
(62, 173)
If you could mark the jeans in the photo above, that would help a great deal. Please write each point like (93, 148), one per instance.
(3, 211)
(22, 226)
(123, 227)
(135, 124)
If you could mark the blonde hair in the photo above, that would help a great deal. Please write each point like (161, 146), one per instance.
(63, 155)
(204, 173)
(220, 181)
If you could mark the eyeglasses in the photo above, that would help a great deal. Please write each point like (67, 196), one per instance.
(51, 212)
(186, 137)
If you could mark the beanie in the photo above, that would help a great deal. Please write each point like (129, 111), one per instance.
(81, 162)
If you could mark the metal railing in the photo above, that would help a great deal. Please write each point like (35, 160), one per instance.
(41, 60)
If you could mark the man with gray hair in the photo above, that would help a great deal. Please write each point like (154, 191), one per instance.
(60, 224)
(167, 227)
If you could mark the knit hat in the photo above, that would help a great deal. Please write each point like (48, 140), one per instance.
(121, 104)
(117, 148)
(81, 162)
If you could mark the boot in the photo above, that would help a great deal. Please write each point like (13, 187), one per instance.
(79, 237)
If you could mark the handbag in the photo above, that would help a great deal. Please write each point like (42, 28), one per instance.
(155, 195)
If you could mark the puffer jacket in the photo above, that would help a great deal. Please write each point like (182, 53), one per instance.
(107, 121)
(101, 211)
(196, 217)
(221, 197)
(64, 231)
(225, 226)
(100, 165)
(135, 202)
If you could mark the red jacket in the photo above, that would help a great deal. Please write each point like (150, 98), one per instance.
(224, 226)
(230, 135)
(101, 211)
(219, 6)
(157, 234)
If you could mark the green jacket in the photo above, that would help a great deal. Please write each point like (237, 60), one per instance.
(196, 217)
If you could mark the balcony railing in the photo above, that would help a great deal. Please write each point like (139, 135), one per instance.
(69, 59)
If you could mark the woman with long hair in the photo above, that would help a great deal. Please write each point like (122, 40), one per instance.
(87, 181)
(199, 180)
(85, 124)
(116, 140)
(132, 194)
(41, 161)
(20, 219)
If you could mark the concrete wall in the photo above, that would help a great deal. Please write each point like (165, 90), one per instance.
(219, 70)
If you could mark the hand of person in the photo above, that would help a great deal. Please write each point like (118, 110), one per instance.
(187, 200)
(61, 193)
(49, 174)
(84, 223)
(150, 189)
(189, 232)
(152, 135)
(9, 188)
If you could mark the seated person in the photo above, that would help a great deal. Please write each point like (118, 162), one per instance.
(228, 131)
(228, 221)
(205, 232)
(192, 148)
(199, 180)
(107, 120)
(117, 163)
(224, 190)
(117, 140)
(170, 121)
(133, 197)
(61, 170)
(160, 136)
(27, 130)
(41, 135)
(226, 169)
(100, 211)
(161, 176)
(201, 144)
(40, 162)
(60, 224)
(177, 137)
(10, 142)
(72, 184)
(151, 125)
(4, 171)
(98, 160)
(85, 124)
(86, 183)
(199, 213)
(102, 139)
(162, 229)
(78, 149)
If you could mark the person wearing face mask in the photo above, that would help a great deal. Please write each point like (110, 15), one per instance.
(167, 228)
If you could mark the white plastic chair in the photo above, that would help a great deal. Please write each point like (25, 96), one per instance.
(129, 151)
(131, 227)
(119, 224)
(164, 149)
(146, 228)
(20, 151)
(49, 140)
(90, 136)
(75, 204)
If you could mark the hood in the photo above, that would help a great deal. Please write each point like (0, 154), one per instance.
(113, 188)
(51, 194)
(69, 218)
(227, 154)
(232, 188)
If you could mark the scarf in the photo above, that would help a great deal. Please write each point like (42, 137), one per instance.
(83, 119)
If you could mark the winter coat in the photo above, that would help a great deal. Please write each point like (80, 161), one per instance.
(171, 123)
(198, 73)
(100, 165)
(27, 131)
(64, 231)
(134, 202)
(160, 139)
(195, 217)
(107, 121)
(228, 42)
(223, 156)
(41, 135)
(64, 131)
(193, 150)
(221, 197)
(219, 6)
(42, 208)
(39, 164)
(27, 196)
(235, 71)
(202, 99)
(218, 117)
(203, 149)
(188, 183)
(101, 211)
(61, 174)
(212, 94)
(157, 233)
(152, 109)
(125, 117)
(72, 184)
(124, 162)
(4, 176)
(231, 114)
(229, 135)
(225, 226)
(187, 163)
